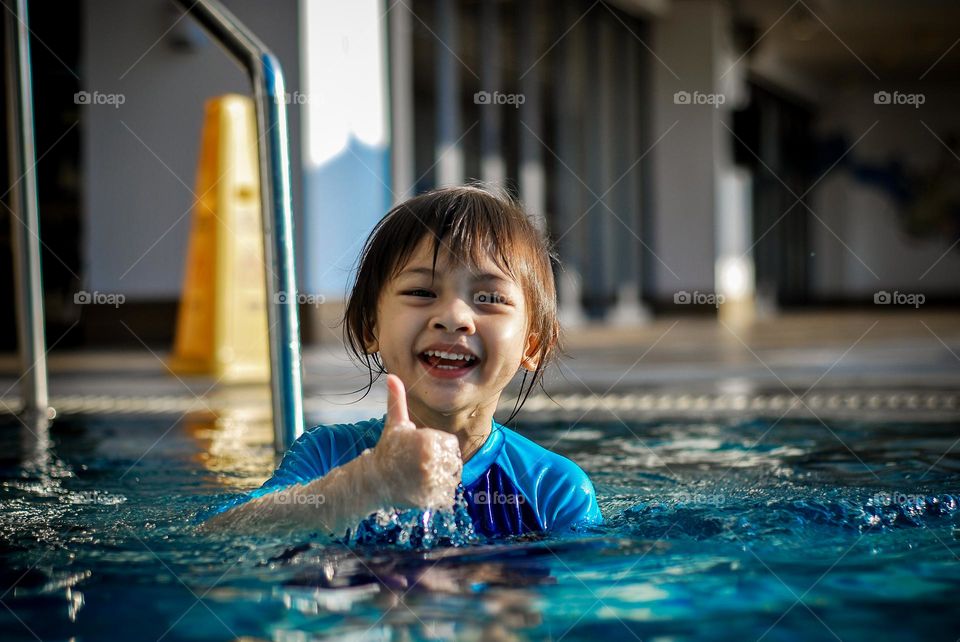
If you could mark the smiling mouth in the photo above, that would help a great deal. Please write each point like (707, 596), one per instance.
(459, 363)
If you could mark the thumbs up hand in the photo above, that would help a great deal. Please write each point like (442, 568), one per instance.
(418, 467)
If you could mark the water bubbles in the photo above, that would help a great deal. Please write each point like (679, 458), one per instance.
(416, 529)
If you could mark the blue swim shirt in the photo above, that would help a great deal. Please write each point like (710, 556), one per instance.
(512, 485)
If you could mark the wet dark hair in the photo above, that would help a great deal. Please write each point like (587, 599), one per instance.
(480, 222)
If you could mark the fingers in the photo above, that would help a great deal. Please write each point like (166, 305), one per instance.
(397, 403)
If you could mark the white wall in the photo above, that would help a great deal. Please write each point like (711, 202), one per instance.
(866, 218)
(136, 193)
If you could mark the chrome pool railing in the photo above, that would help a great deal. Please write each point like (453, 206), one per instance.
(266, 76)
(24, 214)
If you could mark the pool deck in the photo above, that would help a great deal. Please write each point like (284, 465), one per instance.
(674, 363)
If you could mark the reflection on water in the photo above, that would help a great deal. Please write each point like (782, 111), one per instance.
(400, 584)
(712, 530)
(236, 447)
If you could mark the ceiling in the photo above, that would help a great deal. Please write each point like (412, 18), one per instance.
(846, 40)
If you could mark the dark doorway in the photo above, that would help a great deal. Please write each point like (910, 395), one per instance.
(55, 51)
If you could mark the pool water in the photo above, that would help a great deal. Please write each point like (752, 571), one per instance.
(745, 530)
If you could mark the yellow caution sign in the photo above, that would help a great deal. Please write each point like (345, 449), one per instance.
(222, 321)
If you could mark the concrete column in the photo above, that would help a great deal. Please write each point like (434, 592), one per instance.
(629, 309)
(602, 130)
(568, 92)
(401, 103)
(532, 177)
(701, 213)
(735, 279)
(449, 153)
(492, 166)
(734, 274)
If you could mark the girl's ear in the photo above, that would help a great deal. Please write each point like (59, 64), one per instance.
(372, 344)
(531, 356)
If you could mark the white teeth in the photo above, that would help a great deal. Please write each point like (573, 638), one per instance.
(450, 355)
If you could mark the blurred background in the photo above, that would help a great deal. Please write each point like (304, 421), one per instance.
(745, 195)
(756, 204)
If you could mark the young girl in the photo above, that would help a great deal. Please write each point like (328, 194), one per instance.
(454, 294)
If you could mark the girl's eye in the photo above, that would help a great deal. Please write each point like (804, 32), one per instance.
(482, 298)
(419, 292)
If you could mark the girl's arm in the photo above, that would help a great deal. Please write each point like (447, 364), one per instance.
(339, 499)
(409, 467)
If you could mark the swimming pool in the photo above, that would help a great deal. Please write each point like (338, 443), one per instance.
(737, 530)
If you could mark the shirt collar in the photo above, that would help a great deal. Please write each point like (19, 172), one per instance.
(484, 458)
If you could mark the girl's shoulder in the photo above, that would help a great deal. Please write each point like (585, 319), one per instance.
(364, 429)
(561, 492)
(538, 462)
(342, 438)
(326, 446)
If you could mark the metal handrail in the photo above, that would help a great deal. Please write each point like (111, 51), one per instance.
(25, 218)
(266, 77)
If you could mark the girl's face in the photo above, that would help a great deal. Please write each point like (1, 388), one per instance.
(479, 313)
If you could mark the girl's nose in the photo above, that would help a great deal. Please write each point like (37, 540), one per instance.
(455, 316)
